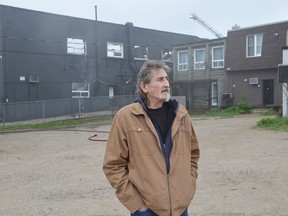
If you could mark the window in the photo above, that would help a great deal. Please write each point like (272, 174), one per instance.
(76, 46)
(214, 94)
(217, 57)
(166, 55)
(254, 45)
(115, 50)
(199, 59)
(33, 78)
(182, 60)
(141, 52)
(111, 91)
(80, 90)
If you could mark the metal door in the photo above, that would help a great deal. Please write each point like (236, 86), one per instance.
(268, 92)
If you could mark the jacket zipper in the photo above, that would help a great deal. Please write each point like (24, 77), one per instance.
(169, 193)
(168, 176)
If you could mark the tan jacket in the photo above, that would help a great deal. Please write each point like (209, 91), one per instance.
(134, 164)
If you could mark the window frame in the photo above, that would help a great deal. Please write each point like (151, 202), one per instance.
(80, 92)
(143, 53)
(185, 64)
(167, 55)
(199, 62)
(257, 45)
(76, 46)
(111, 52)
(218, 60)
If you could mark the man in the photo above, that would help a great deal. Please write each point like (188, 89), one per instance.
(152, 152)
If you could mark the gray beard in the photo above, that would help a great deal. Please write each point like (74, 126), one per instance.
(168, 97)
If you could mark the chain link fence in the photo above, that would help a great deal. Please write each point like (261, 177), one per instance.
(74, 107)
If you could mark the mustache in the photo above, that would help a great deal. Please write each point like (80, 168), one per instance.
(166, 90)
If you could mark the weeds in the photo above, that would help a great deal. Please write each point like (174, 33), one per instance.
(277, 124)
(241, 108)
(270, 112)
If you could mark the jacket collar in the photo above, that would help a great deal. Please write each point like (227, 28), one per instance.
(172, 103)
(141, 102)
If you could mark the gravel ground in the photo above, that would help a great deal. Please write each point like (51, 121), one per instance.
(242, 171)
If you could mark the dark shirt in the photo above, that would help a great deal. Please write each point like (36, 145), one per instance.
(160, 118)
(163, 117)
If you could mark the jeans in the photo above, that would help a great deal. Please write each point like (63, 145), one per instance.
(149, 212)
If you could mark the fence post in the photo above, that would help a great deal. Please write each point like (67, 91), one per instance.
(3, 115)
(79, 107)
(43, 110)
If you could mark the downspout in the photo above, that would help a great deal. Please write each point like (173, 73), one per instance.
(285, 85)
(130, 57)
(96, 50)
(2, 58)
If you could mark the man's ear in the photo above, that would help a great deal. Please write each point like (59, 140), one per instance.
(143, 87)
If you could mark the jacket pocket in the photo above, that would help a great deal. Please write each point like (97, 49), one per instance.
(142, 141)
(182, 142)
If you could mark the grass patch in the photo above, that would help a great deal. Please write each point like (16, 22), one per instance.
(277, 123)
(270, 112)
(241, 108)
(56, 124)
(217, 112)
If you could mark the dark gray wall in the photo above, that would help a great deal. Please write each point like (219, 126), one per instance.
(1, 60)
(35, 43)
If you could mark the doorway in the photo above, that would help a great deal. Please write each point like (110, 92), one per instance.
(268, 92)
(214, 94)
(33, 91)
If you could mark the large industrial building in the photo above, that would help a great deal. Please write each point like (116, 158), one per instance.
(47, 56)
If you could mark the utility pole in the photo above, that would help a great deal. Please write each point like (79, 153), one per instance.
(96, 39)
(285, 85)
(205, 25)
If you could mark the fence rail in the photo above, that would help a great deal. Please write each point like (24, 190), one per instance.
(22, 111)
(74, 107)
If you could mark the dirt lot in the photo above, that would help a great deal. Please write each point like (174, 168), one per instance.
(243, 171)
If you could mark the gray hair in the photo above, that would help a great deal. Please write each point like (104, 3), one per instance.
(145, 76)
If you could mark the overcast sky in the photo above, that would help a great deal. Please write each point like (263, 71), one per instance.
(168, 15)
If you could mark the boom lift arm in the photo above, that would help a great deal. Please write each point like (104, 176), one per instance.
(205, 25)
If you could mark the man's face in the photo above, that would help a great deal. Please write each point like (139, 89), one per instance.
(158, 90)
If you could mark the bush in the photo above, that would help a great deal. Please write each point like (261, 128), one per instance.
(244, 107)
(241, 108)
(265, 122)
(277, 124)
